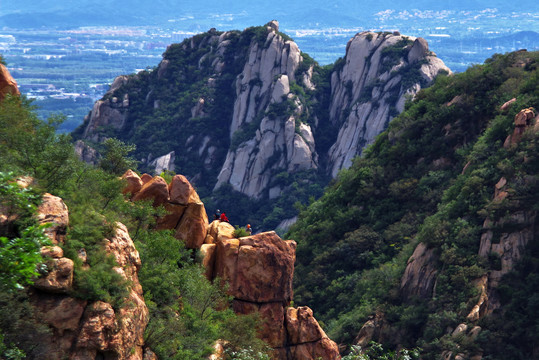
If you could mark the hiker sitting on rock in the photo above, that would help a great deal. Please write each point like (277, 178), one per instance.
(217, 215)
(249, 229)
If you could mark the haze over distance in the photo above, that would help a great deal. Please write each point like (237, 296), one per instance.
(65, 56)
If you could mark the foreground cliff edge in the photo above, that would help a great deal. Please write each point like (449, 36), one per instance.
(257, 271)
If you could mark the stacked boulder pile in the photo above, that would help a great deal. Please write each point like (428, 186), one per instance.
(82, 329)
(258, 269)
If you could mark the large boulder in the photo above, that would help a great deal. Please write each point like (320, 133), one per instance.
(193, 226)
(181, 191)
(53, 211)
(155, 189)
(258, 268)
(133, 182)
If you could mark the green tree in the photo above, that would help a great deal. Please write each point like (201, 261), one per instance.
(22, 236)
(115, 157)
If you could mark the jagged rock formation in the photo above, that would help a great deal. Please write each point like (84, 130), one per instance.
(380, 71)
(507, 237)
(186, 213)
(258, 269)
(252, 114)
(83, 330)
(8, 85)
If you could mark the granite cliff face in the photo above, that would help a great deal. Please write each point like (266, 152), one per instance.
(379, 73)
(239, 109)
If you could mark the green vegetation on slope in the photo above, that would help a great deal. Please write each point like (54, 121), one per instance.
(354, 242)
(187, 312)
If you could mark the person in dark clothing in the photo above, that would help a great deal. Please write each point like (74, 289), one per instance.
(217, 215)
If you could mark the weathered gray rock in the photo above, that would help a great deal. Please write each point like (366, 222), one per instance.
(420, 273)
(368, 92)
(162, 163)
(263, 84)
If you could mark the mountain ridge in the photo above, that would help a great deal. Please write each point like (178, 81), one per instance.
(255, 113)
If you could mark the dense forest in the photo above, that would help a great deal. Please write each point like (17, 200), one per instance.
(430, 179)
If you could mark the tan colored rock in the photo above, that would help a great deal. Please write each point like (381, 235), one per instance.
(474, 333)
(126, 255)
(225, 231)
(523, 120)
(301, 326)
(54, 252)
(54, 211)
(208, 253)
(181, 191)
(258, 268)
(480, 309)
(193, 226)
(156, 189)
(146, 178)
(273, 330)
(171, 220)
(461, 329)
(133, 182)
(59, 311)
(99, 327)
(62, 314)
(323, 349)
(226, 261)
(221, 230)
(371, 331)
(506, 105)
(209, 239)
(7, 84)
(218, 351)
(420, 273)
(59, 278)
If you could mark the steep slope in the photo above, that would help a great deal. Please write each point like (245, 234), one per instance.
(379, 73)
(248, 112)
(427, 184)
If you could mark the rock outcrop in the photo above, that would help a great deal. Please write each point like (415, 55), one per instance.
(264, 102)
(186, 213)
(258, 115)
(83, 330)
(258, 270)
(8, 85)
(379, 72)
(420, 274)
(110, 112)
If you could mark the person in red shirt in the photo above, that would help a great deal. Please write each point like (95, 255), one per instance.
(223, 217)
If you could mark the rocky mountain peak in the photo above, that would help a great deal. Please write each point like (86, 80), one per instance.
(370, 86)
(240, 109)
